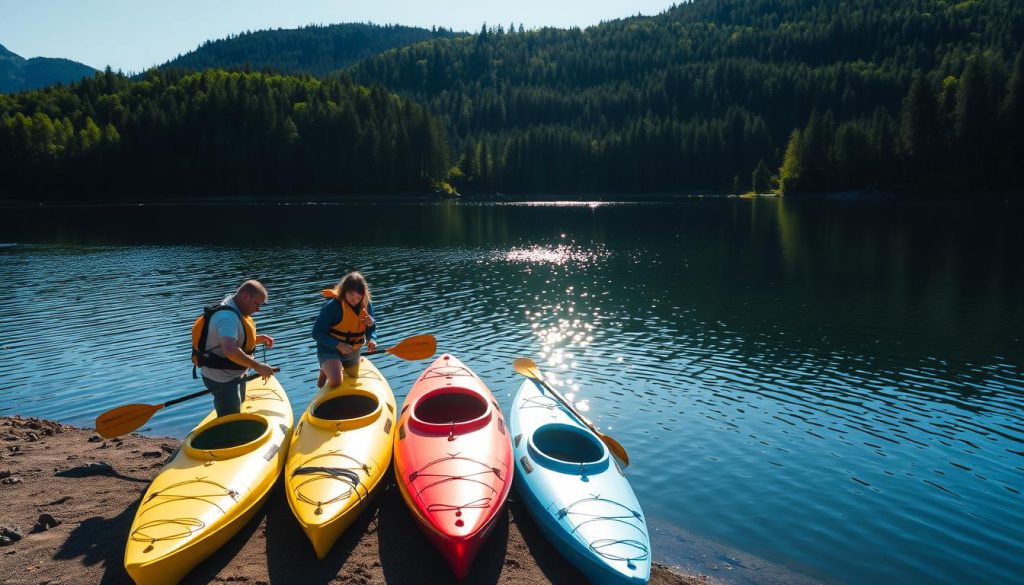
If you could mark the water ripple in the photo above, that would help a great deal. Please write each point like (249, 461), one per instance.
(767, 401)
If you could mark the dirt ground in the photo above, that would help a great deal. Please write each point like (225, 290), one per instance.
(68, 497)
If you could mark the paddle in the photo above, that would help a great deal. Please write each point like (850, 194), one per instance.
(417, 347)
(125, 419)
(526, 367)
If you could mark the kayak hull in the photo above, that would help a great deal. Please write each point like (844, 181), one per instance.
(215, 483)
(453, 460)
(576, 493)
(339, 453)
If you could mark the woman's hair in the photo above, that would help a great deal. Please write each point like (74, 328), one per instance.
(354, 281)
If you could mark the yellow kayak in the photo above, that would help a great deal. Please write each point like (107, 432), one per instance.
(339, 453)
(213, 485)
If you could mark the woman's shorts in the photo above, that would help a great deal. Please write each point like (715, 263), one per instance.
(324, 354)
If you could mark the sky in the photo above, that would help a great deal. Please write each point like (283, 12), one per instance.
(133, 35)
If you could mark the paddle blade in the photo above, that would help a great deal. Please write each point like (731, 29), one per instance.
(417, 347)
(526, 367)
(617, 449)
(124, 419)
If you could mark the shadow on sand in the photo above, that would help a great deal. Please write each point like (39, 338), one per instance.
(290, 555)
(101, 540)
(402, 552)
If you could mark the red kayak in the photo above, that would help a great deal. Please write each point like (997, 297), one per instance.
(453, 459)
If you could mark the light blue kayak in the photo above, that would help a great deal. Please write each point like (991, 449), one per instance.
(576, 492)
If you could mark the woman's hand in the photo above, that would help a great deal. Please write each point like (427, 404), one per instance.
(371, 345)
(366, 318)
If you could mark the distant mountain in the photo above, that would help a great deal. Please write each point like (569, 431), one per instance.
(314, 50)
(19, 74)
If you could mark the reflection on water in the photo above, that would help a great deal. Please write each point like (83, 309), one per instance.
(836, 388)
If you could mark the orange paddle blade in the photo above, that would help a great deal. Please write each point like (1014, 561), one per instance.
(417, 347)
(124, 419)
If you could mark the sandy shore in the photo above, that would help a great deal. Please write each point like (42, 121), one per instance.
(68, 497)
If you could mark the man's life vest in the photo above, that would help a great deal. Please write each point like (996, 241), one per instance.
(350, 329)
(201, 330)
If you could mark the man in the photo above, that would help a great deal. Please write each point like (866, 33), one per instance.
(232, 335)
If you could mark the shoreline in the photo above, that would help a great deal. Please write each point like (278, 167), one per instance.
(71, 497)
(864, 195)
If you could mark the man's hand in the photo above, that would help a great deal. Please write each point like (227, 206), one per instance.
(264, 370)
(371, 345)
(266, 340)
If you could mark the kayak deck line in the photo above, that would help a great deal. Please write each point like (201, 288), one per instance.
(453, 460)
(210, 487)
(576, 491)
(339, 454)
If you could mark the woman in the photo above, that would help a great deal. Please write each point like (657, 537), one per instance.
(345, 323)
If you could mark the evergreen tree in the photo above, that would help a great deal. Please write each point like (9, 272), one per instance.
(920, 134)
(1012, 124)
(791, 174)
(761, 178)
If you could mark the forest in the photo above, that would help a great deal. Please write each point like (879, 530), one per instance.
(313, 50)
(181, 134)
(725, 96)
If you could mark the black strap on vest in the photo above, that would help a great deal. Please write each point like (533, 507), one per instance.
(206, 356)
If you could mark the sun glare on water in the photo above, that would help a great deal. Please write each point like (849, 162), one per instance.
(558, 255)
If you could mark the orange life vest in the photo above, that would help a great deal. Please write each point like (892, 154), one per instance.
(350, 329)
(200, 331)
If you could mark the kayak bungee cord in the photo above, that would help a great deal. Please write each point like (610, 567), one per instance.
(190, 525)
(202, 497)
(481, 503)
(545, 402)
(484, 502)
(599, 545)
(266, 394)
(346, 475)
(447, 372)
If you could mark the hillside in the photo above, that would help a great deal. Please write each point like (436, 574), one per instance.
(696, 97)
(313, 50)
(20, 74)
(711, 95)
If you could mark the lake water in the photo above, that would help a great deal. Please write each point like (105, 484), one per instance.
(808, 390)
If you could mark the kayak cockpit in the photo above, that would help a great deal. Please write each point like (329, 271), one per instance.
(350, 410)
(568, 449)
(228, 436)
(450, 409)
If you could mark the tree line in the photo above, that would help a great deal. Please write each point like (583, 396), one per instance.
(953, 134)
(178, 134)
(707, 93)
(716, 95)
(313, 50)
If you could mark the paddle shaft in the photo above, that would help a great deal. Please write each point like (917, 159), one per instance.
(565, 402)
(421, 346)
(125, 419)
(526, 367)
(205, 392)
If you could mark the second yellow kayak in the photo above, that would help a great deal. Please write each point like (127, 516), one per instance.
(340, 451)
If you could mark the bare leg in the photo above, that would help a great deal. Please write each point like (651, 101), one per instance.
(332, 369)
